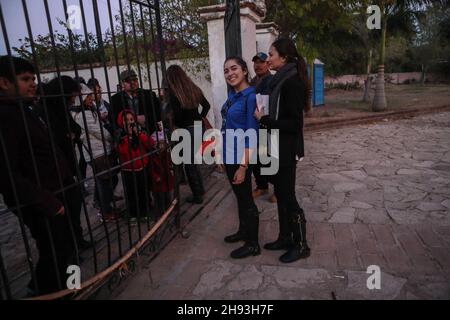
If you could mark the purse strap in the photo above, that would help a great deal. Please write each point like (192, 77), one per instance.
(228, 106)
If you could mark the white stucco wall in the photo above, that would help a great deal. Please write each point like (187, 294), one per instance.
(218, 86)
(264, 39)
(248, 37)
(200, 78)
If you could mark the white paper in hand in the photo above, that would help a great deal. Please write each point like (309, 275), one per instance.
(262, 103)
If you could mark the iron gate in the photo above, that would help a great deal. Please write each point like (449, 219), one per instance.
(112, 37)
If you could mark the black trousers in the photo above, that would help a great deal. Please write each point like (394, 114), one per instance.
(291, 216)
(193, 174)
(248, 212)
(137, 195)
(54, 232)
(162, 202)
(73, 208)
(262, 182)
(114, 182)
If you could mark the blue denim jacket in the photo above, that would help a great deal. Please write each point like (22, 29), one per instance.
(237, 113)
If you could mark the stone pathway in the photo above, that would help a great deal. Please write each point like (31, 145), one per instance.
(373, 194)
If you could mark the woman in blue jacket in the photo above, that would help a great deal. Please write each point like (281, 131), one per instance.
(239, 132)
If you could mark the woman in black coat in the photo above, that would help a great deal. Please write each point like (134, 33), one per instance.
(59, 95)
(184, 98)
(289, 98)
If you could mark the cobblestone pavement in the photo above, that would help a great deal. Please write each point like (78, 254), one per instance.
(373, 194)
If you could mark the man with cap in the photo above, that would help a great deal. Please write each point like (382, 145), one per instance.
(142, 102)
(263, 75)
(261, 83)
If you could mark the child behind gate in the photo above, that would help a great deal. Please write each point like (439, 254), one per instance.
(132, 148)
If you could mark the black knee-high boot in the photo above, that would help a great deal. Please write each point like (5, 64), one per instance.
(284, 241)
(252, 222)
(251, 245)
(241, 234)
(300, 248)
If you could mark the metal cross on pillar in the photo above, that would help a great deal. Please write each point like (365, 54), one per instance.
(232, 22)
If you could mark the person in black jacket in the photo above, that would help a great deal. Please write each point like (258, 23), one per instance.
(59, 96)
(142, 102)
(184, 98)
(261, 83)
(289, 98)
(28, 179)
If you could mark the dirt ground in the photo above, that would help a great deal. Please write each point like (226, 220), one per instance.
(341, 104)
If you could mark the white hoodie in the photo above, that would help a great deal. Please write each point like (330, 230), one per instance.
(93, 131)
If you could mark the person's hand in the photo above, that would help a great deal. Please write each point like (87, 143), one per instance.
(61, 211)
(239, 176)
(104, 116)
(141, 120)
(221, 167)
(130, 129)
(258, 115)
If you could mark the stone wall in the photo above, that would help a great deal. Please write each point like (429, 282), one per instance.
(201, 78)
(394, 78)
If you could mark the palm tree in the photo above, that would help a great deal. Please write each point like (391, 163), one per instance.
(359, 28)
(393, 11)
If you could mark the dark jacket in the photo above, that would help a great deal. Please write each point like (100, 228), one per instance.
(18, 150)
(262, 85)
(184, 118)
(62, 126)
(290, 120)
(146, 101)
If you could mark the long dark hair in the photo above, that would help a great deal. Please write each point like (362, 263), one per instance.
(59, 91)
(240, 62)
(286, 49)
(185, 90)
(57, 94)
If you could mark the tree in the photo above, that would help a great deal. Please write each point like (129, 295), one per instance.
(64, 55)
(392, 12)
(368, 40)
(432, 42)
(312, 24)
(132, 38)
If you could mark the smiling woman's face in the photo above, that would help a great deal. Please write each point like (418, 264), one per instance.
(234, 74)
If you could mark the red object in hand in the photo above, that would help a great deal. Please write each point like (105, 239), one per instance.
(205, 144)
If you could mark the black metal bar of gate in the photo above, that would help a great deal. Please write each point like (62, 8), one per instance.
(76, 146)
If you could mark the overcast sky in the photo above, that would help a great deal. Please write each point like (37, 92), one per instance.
(13, 14)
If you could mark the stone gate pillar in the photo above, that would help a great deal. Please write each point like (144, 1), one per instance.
(250, 15)
(266, 34)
